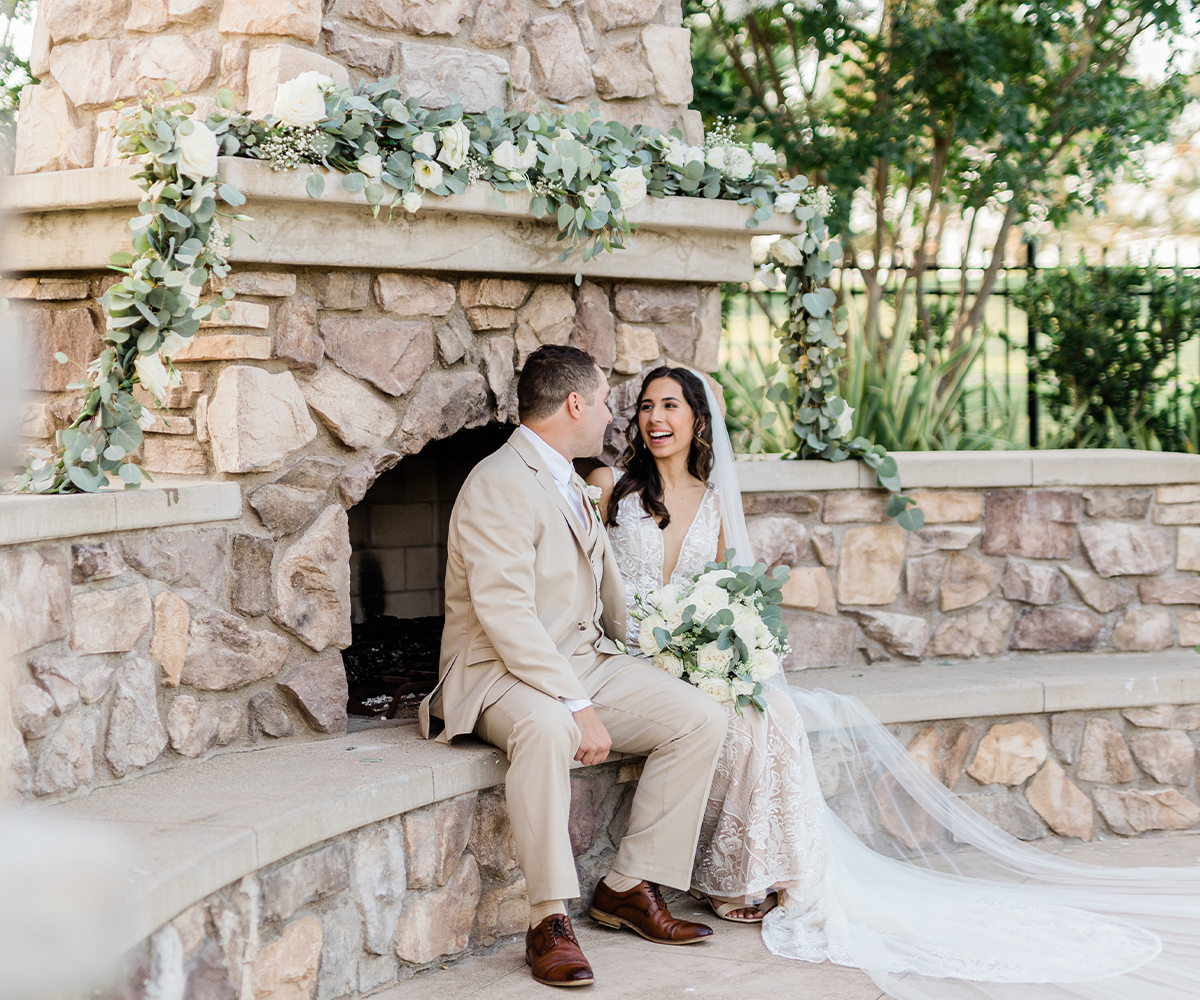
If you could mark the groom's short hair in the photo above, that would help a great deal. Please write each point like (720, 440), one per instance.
(550, 375)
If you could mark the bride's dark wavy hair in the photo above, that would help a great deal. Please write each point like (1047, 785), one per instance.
(641, 472)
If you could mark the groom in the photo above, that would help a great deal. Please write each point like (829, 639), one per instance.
(534, 602)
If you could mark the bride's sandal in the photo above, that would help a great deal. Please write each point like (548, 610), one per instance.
(727, 909)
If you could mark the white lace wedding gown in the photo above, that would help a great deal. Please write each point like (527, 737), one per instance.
(906, 913)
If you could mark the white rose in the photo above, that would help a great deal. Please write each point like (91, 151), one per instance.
(411, 201)
(631, 185)
(763, 664)
(456, 142)
(741, 687)
(371, 165)
(739, 164)
(669, 662)
(427, 173)
(145, 419)
(592, 194)
(715, 687)
(713, 575)
(680, 154)
(301, 101)
(505, 156)
(197, 152)
(425, 143)
(646, 638)
(763, 638)
(713, 661)
(527, 159)
(716, 157)
(786, 203)
(763, 153)
(152, 375)
(171, 343)
(669, 594)
(674, 615)
(709, 599)
(787, 253)
(745, 623)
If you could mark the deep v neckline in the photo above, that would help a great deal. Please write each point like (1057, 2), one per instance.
(662, 544)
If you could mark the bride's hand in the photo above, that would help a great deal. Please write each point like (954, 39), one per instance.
(594, 741)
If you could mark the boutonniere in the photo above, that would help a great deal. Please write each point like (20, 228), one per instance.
(594, 493)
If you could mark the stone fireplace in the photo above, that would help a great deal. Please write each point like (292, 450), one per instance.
(305, 467)
(398, 530)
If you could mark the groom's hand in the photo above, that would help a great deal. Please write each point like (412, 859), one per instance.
(594, 741)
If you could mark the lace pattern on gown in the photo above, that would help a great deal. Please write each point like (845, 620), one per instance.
(637, 543)
(762, 822)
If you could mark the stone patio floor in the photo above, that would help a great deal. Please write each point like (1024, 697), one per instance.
(734, 963)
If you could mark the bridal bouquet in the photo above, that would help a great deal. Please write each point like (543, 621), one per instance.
(723, 632)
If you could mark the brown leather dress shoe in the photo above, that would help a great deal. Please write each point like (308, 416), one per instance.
(642, 909)
(553, 953)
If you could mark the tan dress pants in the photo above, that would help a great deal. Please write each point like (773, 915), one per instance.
(645, 711)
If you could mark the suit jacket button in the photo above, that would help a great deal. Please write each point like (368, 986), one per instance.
(582, 627)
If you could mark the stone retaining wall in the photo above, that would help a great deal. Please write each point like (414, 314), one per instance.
(631, 55)
(359, 912)
(362, 911)
(1085, 775)
(994, 572)
(140, 649)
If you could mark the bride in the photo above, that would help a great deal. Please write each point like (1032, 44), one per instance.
(922, 913)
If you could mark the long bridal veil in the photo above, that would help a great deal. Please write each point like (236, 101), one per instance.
(934, 902)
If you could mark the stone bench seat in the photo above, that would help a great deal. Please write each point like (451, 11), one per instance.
(192, 832)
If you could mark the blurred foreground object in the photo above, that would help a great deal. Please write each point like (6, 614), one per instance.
(60, 883)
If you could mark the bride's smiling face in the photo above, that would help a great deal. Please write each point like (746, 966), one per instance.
(665, 419)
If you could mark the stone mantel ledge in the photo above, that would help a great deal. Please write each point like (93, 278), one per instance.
(236, 813)
(27, 519)
(977, 470)
(74, 219)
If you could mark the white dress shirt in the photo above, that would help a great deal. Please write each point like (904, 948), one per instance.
(563, 473)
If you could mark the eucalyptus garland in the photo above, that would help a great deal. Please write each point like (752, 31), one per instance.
(813, 342)
(582, 172)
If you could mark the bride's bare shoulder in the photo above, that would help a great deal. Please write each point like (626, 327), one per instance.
(603, 477)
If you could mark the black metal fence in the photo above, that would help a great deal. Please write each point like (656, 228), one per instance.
(1002, 388)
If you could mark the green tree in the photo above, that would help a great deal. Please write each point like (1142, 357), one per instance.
(14, 74)
(983, 115)
(1111, 335)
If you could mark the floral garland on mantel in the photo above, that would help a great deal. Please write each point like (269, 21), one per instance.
(583, 172)
(812, 353)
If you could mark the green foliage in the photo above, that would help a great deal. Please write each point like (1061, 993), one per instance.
(1109, 333)
(152, 311)
(582, 172)
(823, 420)
(916, 113)
(14, 74)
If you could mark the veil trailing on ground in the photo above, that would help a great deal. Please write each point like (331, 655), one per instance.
(932, 901)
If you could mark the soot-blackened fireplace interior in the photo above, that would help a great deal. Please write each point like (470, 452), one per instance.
(397, 571)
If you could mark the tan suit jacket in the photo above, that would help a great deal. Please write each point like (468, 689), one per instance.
(531, 594)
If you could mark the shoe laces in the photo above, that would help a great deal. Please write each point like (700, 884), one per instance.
(560, 927)
(656, 895)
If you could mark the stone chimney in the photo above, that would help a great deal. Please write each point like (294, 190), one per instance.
(632, 56)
